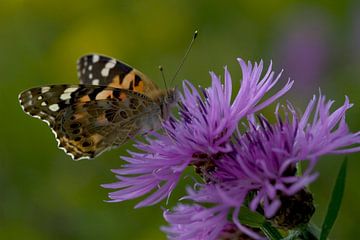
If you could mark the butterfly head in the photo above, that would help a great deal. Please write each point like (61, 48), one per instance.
(169, 100)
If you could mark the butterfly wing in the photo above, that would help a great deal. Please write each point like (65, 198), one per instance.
(100, 70)
(88, 120)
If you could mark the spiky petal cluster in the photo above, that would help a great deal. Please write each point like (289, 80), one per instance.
(205, 126)
(256, 168)
(264, 159)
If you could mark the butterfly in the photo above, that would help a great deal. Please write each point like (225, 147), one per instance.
(113, 103)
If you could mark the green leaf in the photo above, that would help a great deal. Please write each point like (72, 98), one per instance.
(335, 202)
(256, 220)
(250, 218)
(270, 232)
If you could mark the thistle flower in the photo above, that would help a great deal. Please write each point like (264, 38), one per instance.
(203, 130)
(264, 162)
(205, 125)
(256, 168)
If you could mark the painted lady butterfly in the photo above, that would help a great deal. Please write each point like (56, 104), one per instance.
(112, 103)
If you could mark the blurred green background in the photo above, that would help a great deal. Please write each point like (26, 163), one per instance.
(46, 195)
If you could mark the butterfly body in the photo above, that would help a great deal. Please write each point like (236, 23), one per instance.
(113, 103)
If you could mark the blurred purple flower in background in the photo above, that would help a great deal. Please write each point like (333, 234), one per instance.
(256, 168)
(304, 48)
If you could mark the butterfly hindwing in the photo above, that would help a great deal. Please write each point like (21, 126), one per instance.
(86, 119)
(94, 69)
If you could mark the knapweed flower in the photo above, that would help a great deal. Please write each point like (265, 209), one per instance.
(197, 222)
(206, 123)
(267, 155)
(255, 168)
(263, 165)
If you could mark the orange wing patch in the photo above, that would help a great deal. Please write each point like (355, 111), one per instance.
(105, 94)
(131, 81)
(105, 71)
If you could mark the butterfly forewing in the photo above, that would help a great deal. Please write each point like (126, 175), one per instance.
(94, 69)
(88, 120)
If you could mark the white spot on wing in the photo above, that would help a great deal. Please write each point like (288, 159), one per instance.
(71, 89)
(45, 89)
(90, 76)
(65, 96)
(95, 82)
(109, 65)
(90, 67)
(95, 58)
(105, 72)
(43, 104)
(67, 93)
(40, 97)
(54, 107)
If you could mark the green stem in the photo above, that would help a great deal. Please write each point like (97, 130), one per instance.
(314, 230)
(270, 232)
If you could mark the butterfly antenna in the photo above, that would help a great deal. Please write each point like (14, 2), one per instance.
(185, 56)
(163, 75)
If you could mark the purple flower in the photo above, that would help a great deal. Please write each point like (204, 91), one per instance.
(204, 128)
(264, 160)
(195, 222)
(257, 168)
(266, 156)
(305, 48)
(206, 125)
(158, 167)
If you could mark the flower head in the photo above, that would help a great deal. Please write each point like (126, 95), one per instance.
(264, 159)
(256, 168)
(207, 122)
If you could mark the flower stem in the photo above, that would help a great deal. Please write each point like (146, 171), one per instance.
(270, 232)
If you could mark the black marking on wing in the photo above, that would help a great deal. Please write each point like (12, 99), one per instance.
(90, 68)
